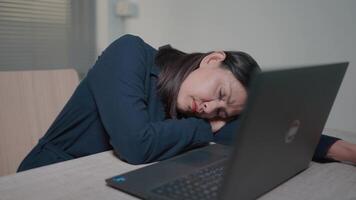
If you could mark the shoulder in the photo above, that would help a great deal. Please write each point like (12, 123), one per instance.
(125, 44)
(129, 40)
(125, 58)
(133, 40)
(129, 45)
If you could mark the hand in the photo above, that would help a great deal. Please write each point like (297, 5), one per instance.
(217, 124)
(343, 151)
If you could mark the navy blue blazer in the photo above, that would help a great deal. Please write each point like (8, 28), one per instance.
(116, 106)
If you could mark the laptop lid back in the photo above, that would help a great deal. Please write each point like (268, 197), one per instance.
(280, 128)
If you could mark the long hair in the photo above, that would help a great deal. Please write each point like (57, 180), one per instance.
(176, 65)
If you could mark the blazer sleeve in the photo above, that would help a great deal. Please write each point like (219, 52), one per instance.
(117, 83)
(226, 135)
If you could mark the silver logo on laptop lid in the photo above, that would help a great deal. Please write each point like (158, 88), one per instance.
(292, 131)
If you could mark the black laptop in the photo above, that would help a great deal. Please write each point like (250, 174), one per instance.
(279, 131)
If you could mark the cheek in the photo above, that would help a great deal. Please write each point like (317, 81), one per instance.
(180, 102)
(205, 91)
(198, 86)
(186, 90)
(183, 94)
(195, 86)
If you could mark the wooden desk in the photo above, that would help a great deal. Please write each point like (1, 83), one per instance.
(84, 178)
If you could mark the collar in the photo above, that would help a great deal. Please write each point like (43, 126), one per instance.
(155, 70)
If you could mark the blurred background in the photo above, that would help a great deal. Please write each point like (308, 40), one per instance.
(52, 34)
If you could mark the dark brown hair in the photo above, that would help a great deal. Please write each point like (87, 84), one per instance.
(176, 65)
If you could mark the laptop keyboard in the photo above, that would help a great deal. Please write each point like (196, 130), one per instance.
(203, 184)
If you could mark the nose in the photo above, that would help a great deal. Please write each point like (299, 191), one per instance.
(210, 108)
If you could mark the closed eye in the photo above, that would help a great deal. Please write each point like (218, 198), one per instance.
(221, 95)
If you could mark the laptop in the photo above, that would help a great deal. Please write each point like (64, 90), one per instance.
(278, 134)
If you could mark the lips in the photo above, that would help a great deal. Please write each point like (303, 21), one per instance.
(194, 106)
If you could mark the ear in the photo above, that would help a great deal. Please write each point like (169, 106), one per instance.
(213, 59)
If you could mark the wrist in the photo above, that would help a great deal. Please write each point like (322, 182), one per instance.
(342, 151)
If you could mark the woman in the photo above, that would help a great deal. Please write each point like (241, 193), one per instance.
(149, 106)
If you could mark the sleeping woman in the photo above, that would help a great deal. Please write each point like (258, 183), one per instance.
(150, 105)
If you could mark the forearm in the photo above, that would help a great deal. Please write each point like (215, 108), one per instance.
(342, 151)
(161, 140)
(226, 134)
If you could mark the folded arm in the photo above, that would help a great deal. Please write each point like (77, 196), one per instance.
(117, 82)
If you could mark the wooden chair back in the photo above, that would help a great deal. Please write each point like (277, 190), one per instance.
(29, 102)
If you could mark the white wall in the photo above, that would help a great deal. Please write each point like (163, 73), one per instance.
(274, 32)
(108, 26)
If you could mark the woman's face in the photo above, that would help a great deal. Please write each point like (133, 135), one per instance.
(211, 91)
